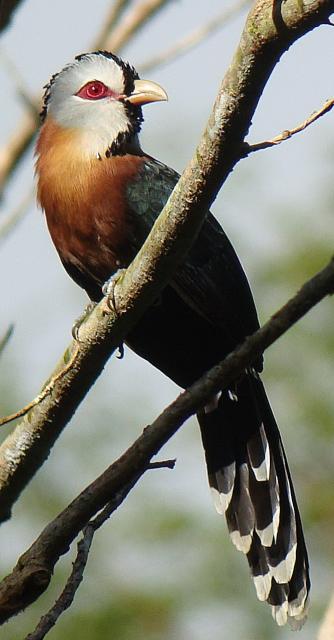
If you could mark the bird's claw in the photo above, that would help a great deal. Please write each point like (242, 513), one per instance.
(78, 322)
(120, 352)
(108, 289)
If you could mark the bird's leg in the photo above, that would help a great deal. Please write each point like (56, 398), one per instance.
(108, 290)
(78, 322)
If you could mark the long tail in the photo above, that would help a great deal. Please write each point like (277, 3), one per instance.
(251, 484)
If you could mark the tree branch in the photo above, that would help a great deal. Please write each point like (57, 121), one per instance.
(4, 339)
(67, 596)
(46, 390)
(33, 571)
(133, 22)
(19, 84)
(15, 216)
(194, 38)
(116, 11)
(267, 34)
(7, 9)
(288, 133)
(13, 151)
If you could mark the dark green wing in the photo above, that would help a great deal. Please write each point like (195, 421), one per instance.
(211, 280)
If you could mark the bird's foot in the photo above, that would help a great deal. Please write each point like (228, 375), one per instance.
(108, 289)
(78, 322)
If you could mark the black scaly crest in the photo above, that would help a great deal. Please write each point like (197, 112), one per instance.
(46, 96)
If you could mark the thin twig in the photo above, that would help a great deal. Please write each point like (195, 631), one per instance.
(14, 149)
(163, 464)
(19, 83)
(72, 584)
(47, 389)
(67, 596)
(288, 133)
(6, 337)
(194, 38)
(133, 22)
(111, 20)
(16, 216)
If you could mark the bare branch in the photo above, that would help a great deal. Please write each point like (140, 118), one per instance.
(12, 152)
(33, 571)
(7, 9)
(6, 337)
(116, 11)
(14, 217)
(67, 596)
(164, 464)
(261, 46)
(47, 390)
(194, 38)
(133, 22)
(19, 83)
(288, 133)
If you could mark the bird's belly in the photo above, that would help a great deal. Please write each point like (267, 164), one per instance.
(176, 340)
(91, 247)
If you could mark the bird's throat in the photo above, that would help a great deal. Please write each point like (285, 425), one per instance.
(85, 200)
(61, 165)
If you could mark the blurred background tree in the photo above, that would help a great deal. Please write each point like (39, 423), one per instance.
(163, 567)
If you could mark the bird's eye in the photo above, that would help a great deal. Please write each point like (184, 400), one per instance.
(93, 90)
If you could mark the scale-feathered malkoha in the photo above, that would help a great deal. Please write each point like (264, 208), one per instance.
(101, 195)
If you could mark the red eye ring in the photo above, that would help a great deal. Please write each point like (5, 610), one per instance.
(93, 90)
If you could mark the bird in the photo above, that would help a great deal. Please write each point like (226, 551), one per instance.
(101, 194)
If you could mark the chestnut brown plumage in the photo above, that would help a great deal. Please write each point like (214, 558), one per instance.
(101, 194)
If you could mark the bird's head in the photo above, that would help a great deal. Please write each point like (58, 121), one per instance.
(99, 97)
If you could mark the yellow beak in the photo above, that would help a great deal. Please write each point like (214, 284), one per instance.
(146, 91)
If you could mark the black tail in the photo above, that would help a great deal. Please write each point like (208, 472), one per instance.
(251, 484)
